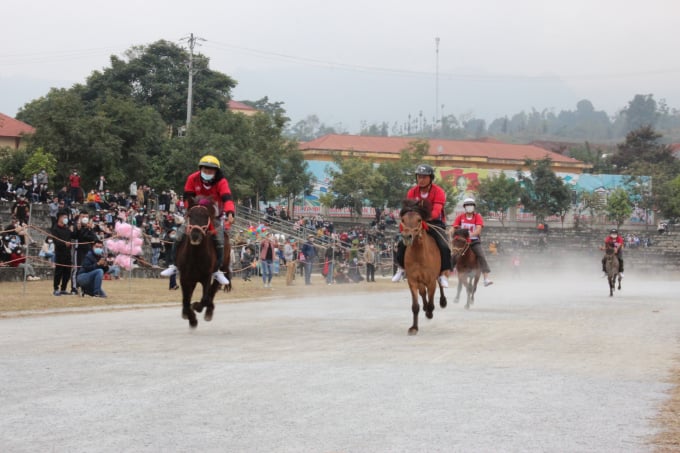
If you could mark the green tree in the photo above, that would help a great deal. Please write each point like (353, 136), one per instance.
(544, 193)
(586, 202)
(37, 161)
(355, 182)
(157, 75)
(497, 194)
(619, 208)
(642, 145)
(641, 112)
(669, 200)
(398, 175)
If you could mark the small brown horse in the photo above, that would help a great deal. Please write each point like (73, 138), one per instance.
(196, 260)
(421, 259)
(467, 266)
(611, 264)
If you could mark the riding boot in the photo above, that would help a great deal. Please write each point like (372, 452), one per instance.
(604, 266)
(444, 250)
(220, 257)
(401, 251)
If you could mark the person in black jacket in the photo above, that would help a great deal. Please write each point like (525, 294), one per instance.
(91, 272)
(62, 234)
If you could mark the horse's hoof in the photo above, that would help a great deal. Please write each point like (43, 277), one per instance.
(193, 323)
(197, 307)
(184, 316)
(429, 315)
(413, 331)
(208, 317)
(442, 303)
(467, 306)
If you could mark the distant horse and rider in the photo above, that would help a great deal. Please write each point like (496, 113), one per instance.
(611, 265)
(422, 260)
(467, 265)
(196, 260)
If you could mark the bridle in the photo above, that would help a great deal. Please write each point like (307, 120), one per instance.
(460, 251)
(202, 228)
(413, 233)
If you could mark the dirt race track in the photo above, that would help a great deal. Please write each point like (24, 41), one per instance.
(555, 366)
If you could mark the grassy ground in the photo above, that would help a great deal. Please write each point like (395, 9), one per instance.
(31, 298)
(19, 299)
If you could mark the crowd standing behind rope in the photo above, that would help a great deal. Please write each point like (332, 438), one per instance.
(79, 218)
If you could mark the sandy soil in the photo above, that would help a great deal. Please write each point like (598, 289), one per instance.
(537, 364)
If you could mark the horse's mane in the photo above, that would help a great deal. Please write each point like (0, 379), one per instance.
(462, 232)
(422, 207)
(203, 200)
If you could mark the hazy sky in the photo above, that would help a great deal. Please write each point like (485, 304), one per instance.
(369, 60)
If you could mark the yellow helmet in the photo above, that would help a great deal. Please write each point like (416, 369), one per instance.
(209, 161)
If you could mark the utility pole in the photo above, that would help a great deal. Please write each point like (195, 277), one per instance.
(192, 42)
(436, 84)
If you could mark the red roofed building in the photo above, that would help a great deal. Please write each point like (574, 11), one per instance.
(491, 155)
(12, 131)
(240, 107)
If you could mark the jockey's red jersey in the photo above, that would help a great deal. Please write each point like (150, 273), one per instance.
(219, 192)
(437, 198)
(462, 221)
(617, 242)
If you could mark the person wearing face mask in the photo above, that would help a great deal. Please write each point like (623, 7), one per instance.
(615, 240)
(84, 238)
(91, 272)
(425, 189)
(208, 181)
(62, 234)
(47, 250)
(473, 222)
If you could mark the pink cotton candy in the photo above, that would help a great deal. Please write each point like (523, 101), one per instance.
(123, 261)
(123, 230)
(137, 242)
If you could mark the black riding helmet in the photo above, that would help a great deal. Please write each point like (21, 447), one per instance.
(424, 169)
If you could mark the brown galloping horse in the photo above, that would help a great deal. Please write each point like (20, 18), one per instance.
(467, 266)
(611, 264)
(196, 260)
(421, 259)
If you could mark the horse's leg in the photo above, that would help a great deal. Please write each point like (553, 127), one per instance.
(428, 305)
(442, 298)
(210, 304)
(187, 312)
(431, 290)
(475, 282)
(415, 308)
(612, 283)
(468, 290)
(619, 274)
(460, 287)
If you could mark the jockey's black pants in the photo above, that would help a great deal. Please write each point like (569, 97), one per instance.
(440, 238)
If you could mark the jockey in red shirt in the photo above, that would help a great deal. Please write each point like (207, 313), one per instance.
(426, 190)
(208, 181)
(473, 222)
(617, 241)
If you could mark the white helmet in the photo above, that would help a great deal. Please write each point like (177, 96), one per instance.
(468, 201)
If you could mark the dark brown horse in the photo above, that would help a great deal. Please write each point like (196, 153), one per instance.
(421, 259)
(467, 266)
(611, 264)
(196, 259)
